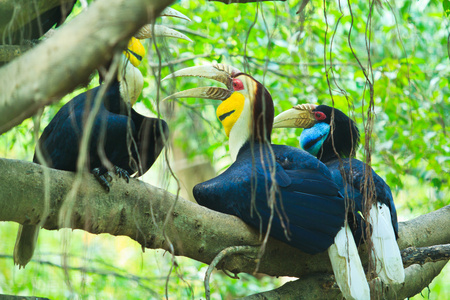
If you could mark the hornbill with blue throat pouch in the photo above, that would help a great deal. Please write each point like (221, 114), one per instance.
(121, 140)
(333, 137)
(280, 190)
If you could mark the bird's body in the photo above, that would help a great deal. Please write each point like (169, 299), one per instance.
(304, 208)
(38, 26)
(121, 140)
(352, 186)
(119, 137)
(336, 145)
(382, 216)
(307, 209)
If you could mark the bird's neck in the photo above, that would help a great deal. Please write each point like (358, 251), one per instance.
(112, 102)
(254, 124)
(241, 132)
(131, 82)
(239, 135)
(339, 144)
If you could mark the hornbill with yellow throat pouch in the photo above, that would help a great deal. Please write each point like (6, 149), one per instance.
(121, 140)
(277, 189)
(333, 137)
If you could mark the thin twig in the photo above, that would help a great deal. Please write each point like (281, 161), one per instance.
(244, 1)
(181, 60)
(100, 272)
(222, 254)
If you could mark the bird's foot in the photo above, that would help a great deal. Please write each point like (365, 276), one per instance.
(122, 173)
(103, 177)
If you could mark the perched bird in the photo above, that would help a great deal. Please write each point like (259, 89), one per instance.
(121, 140)
(275, 188)
(56, 16)
(38, 26)
(333, 137)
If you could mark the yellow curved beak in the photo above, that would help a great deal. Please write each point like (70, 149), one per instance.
(135, 52)
(300, 116)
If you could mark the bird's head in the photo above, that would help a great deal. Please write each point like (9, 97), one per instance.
(135, 52)
(246, 111)
(328, 131)
(129, 76)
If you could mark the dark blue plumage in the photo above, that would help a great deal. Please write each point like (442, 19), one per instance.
(309, 210)
(127, 140)
(279, 190)
(343, 143)
(354, 171)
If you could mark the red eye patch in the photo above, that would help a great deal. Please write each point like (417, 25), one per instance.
(320, 116)
(237, 84)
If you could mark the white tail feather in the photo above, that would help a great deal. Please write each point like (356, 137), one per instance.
(347, 266)
(386, 254)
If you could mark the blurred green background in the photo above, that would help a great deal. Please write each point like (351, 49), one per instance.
(405, 54)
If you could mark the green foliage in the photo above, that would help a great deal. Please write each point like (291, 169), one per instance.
(446, 5)
(310, 58)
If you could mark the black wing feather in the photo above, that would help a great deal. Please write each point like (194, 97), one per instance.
(310, 208)
(131, 143)
(355, 176)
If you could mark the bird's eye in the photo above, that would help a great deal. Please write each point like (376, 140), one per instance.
(320, 116)
(237, 84)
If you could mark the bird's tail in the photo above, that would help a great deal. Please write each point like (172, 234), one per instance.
(385, 252)
(25, 244)
(347, 266)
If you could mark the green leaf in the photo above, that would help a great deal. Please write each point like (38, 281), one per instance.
(446, 5)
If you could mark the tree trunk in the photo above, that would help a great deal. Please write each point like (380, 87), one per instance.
(157, 219)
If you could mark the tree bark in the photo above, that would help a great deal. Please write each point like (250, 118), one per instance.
(15, 14)
(157, 219)
(102, 30)
(243, 1)
(322, 286)
(9, 52)
(423, 255)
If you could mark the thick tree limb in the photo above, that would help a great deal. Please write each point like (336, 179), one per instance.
(424, 255)
(139, 210)
(322, 286)
(12, 297)
(244, 1)
(102, 30)
(15, 14)
(9, 52)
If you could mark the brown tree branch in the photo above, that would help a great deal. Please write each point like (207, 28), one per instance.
(70, 56)
(243, 1)
(12, 297)
(322, 286)
(139, 210)
(15, 14)
(424, 255)
(9, 52)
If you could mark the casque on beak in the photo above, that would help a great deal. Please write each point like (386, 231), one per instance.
(150, 30)
(136, 51)
(300, 116)
(219, 72)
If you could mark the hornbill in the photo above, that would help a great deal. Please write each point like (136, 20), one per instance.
(333, 137)
(121, 140)
(56, 16)
(38, 26)
(277, 189)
